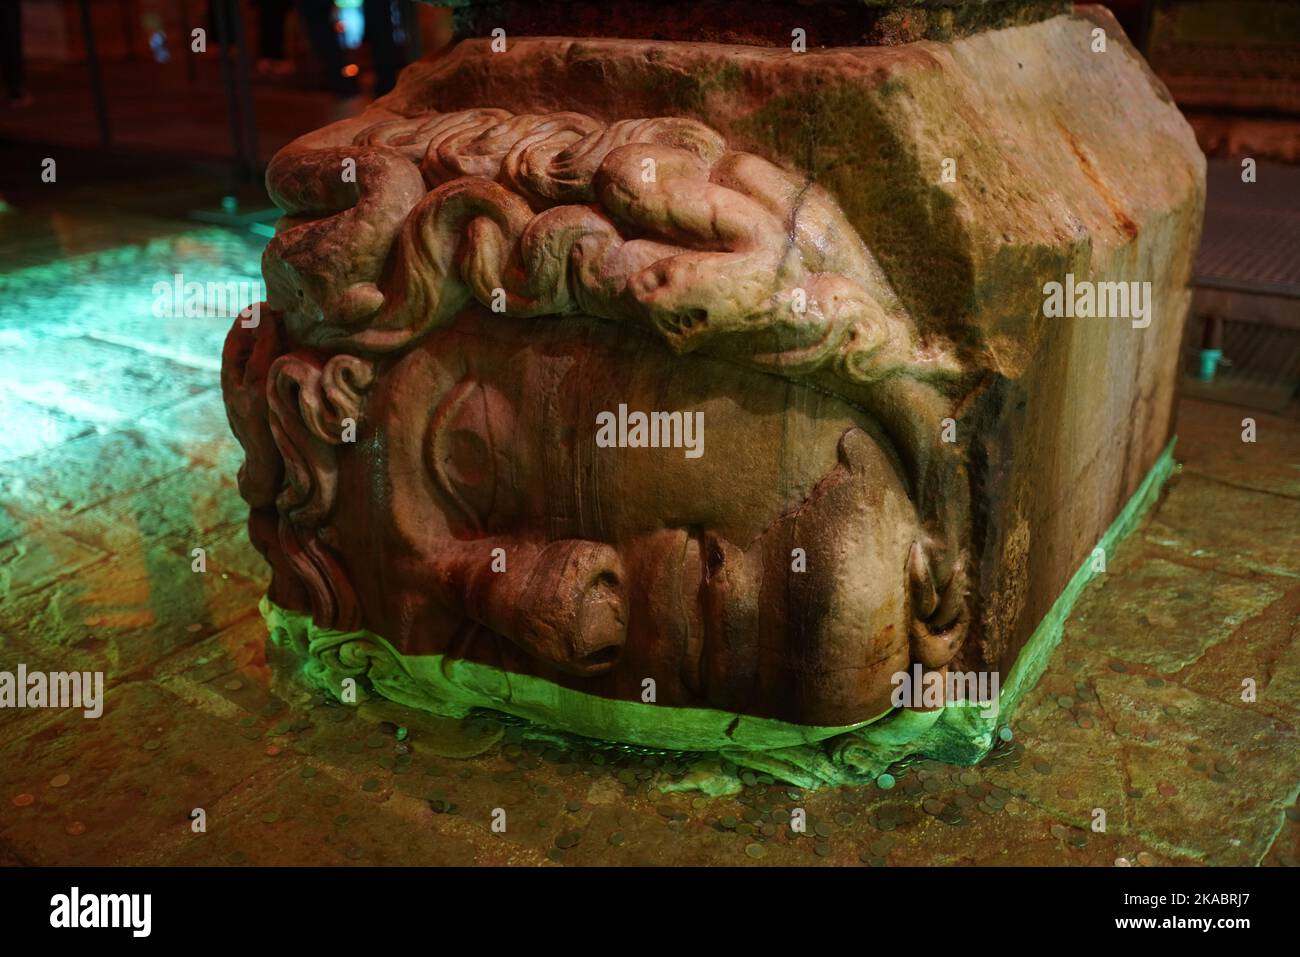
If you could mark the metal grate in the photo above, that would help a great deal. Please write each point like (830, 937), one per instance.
(1260, 366)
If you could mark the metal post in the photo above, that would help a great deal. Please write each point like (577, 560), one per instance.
(243, 92)
(96, 78)
(222, 12)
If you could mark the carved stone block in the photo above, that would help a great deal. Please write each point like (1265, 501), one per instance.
(688, 394)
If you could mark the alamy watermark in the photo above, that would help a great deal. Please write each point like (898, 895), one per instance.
(180, 299)
(933, 689)
(53, 689)
(1086, 299)
(651, 430)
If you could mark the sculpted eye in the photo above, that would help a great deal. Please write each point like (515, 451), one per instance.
(469, 459)
(467, 448)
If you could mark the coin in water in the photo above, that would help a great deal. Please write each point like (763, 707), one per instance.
(1123, 862)
(1293, 814)
(1146, 859)
(885, 781)
(573, 806)
(1167, 789)
(987, 808)
(568, 839)
(617, 839)
(1067, 792)
(821, 850)
(234, 684)
(247, 722)
(330, 800)
(1085, 723)
(353, 853)
(933, 786)
(1223, 767)
(728, 822)
(1118, 667)
(1042, 767)
(823, 829)
(1060, 831)
(375, 741)
(152, 745)
(60, 780)
(1065, 701)
(370, 784)
(270, 817)
(755, 850)
(699, 803)
(74, 829)
(341, 819)
(23, 800)
(963, 801)
(932, 806)
(1005, 733)
(968, 778)
(843, 819)
(744, 827)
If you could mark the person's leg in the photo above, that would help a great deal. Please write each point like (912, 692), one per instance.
(270, 40)
(318, 20)
(11, 48)
(381, 17)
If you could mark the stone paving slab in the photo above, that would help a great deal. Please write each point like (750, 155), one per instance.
(1138, 717)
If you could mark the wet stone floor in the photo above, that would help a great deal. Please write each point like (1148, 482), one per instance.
(117, 462)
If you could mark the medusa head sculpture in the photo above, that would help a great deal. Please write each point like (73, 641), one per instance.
(458, 303)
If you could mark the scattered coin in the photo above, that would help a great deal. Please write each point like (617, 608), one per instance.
(1042, 767)
(822, 849)
(370, 784)
(755, 850)
(968, 778)
(1223, 767)
(823, 829)
(23, 800)
(152, 745)
(617, 839)
(1146, 859)
(1123, 862)
(1118, 667)
(247, 721)
(885, 781)
(844, 819)
(1066, 702)
(932, 806)
(1067, 792)
(1085, 723)
(1293, 814)
(234, 684)
(728, 822)
(60, 780)
(568, 839)
(1005, 733)
(573, 806)
(1168, 790)
(1060, 831)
